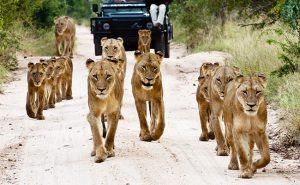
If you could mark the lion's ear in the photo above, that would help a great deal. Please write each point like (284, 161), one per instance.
(44, 65)
(89, 63)
(30, 65)
(66, 17)
(262, 79)
(149, 31)
(121, 41)
(42, 60)
(237, 71)
(216, 64)
(140, 32)
(137, 54)
(103, 40)
(238, 80)
(160, 54)
(201, 79)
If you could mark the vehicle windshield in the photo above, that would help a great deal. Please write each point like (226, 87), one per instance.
(122, 1)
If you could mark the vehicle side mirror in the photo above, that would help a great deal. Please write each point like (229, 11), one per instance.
(95, 8)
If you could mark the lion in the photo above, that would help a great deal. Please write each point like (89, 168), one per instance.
(202, 98)
(50, 83)
(216, 88)
(64, 71)
(146, 85)
(36, 90)
(245, 118)
(105, 94)
(64, 36)
(114, 50)
(144, 41)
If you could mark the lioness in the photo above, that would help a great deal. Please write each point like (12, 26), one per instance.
(202, 98)
(104, 97)
(64, 71)
(36, 90)
(144, 41)
(245, 117)
(146, 85)
(114, 50)
(64, 36)
(220, 78)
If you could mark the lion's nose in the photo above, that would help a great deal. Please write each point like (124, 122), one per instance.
(251, 104)
(101, 89)
(149, 79)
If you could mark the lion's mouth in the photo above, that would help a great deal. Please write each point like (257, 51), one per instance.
(147, 84)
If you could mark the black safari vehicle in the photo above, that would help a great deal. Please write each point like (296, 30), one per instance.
(123, 18)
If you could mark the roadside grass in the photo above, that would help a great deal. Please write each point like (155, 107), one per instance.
(252, 54)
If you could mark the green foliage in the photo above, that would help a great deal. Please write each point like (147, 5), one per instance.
(290, 13)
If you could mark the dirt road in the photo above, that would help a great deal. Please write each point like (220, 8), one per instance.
(57, 150)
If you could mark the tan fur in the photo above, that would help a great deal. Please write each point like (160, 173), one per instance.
(36, 90)
(104, 97)
(245, 117)
(114, 50)
(64, 67)
(144, 41)
(51, 80)
(202, 98)
(220, 78)
(64, 36)
(146, 85)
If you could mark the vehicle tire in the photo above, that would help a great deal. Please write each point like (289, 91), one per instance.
(160, 44)
(167, 47)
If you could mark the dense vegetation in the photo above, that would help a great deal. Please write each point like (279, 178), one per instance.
(262, 36)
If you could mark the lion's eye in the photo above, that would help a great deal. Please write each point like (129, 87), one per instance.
(155, 69)
(108, 77)
(33, 74)
(115, 48)
(58, 67)
(258, 92)
(41, 74)
(230, 79)
(106, 48)
(144, 68)
(206, 89)
(61, 24)
(245, 93)
(95, 77)
(219, 80)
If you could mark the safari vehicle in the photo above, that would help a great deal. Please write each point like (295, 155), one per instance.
(123, 18)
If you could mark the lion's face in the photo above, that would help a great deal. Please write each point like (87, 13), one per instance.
(112, 48)
(50, 68)
(37, 73)
(148, 68)
(61, 24)
(145, 36)
(222, 76)
(101, 78)
(60, 66)
(250, 92)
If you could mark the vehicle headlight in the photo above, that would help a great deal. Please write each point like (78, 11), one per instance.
(106, 26)
(149, 25)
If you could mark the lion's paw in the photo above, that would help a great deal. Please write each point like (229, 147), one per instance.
(233, 166)
(145, 137)
(222, 152)
(101, 155)
(40, 117)
(203, 137)
(211, 135)
(246, 174)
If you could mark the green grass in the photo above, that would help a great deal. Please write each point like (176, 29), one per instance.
(252, 54)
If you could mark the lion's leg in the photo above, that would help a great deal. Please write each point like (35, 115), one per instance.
(58, 90)
(52, 96)
(215, 121)
(233, 164)
(159, 129)
(153, 114)
(141, 110)
(41, 98)
(72, 46)
(110, 139)
(66, 51)
(262, 144)
(203, 121)
(64, 89)
(58, 47)
(30, 104)
(99, 150)
(243, 148)
(69, 87)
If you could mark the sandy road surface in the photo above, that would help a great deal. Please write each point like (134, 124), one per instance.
(57, 150)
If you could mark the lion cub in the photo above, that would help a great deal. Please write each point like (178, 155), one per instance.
(104, 97)
(50, 83)
(36, 90)
(64, 36)
(146, 85)
(64, 71)
(245, 117)
(202, 98)
(144, 41)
